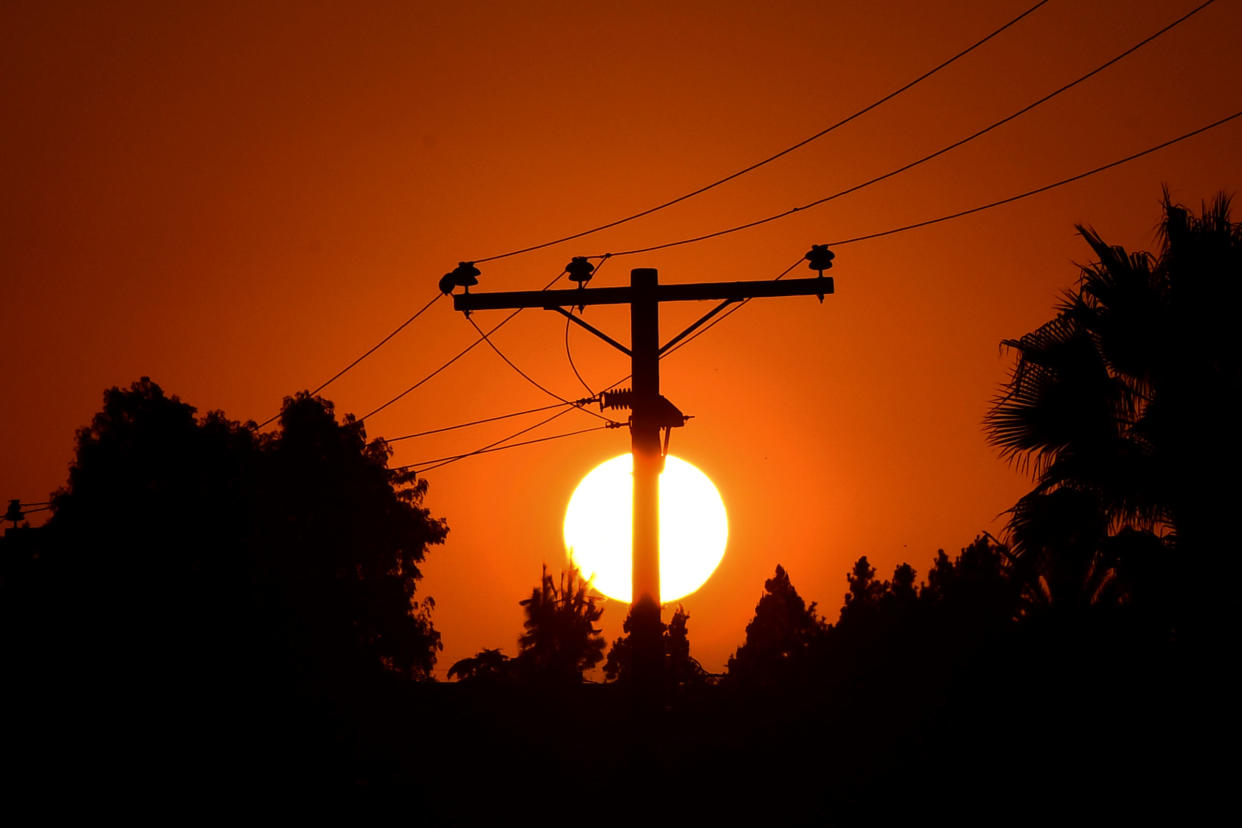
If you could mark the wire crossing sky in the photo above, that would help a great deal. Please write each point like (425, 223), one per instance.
(907, 167)
(774, 156)
(759, 222)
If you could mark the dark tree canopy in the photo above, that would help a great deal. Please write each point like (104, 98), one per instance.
(1120, 395)
(487, 665)
(560, 639)
(1118, 405)
(198, 579)
(680, 669)
(350, 535)
(779, 638)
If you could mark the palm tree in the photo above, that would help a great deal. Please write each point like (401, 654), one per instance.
(1126, 396)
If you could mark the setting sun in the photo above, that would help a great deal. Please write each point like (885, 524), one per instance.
(693, 528)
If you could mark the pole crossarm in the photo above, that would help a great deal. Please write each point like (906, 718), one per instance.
(551, 299)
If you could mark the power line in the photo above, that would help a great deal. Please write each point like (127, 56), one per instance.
(444, 461)
(770, 158)
(570, 356)
(478, 422)
(459, 355)
(903, 228)
(370, 351)
(961, 213)
(492, 445)
(1044, 188)
(518, 433)
(776, 216)
(528, 377)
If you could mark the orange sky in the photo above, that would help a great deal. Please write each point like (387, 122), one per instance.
(238, 199)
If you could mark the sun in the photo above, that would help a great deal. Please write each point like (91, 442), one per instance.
(693, 528)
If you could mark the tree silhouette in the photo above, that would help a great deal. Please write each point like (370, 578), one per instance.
(344, 537)
(977, 590)
(779, 639)
(560, 639)
(487, 665)
(1120, 402)
(1121, 395)
(680, 669)
(202, 590)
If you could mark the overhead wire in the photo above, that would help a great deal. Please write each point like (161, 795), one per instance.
(476, 422)
(528, 377)
(750, 168)
(959, 214)
(568, 352)
(1044, 188)
(865, 237)
(436, 464)
(772, 157)
(444, 461)
(370, 351)
(484, 336)
(459, 355)
(958, 143)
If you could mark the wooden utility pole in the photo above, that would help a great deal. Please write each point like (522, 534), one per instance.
(651, 412)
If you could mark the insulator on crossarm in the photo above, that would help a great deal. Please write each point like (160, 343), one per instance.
(579, 270)
(14, 513)
(820, 258)
(465, 274)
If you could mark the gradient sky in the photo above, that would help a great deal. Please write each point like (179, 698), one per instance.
(237, 199)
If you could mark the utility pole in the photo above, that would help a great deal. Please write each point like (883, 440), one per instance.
(651, 411)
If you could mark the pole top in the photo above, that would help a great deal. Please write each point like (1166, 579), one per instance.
(644, 278)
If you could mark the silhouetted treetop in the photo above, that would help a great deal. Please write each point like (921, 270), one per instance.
(779, 637)
(486, 666)
(560, 639)
(1120, 396)
(679, 670)
(205, 516)
(1118, 405)
(212, 597)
